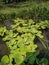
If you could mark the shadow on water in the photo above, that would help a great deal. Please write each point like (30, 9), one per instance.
(43, 52)
(46, 34)
(3, 48)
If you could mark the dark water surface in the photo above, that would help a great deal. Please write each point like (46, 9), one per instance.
(43, 52)
(3, 48)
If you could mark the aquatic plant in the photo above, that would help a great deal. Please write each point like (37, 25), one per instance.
(20, 41)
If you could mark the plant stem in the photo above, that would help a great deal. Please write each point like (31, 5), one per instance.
(42, 43)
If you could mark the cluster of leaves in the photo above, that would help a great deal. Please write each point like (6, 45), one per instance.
(20, 41)
(37, 13)
(43, 61)
(7, 16)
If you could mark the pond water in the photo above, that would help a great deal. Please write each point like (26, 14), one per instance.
(3, 47)
(8, 23)
(43, 52)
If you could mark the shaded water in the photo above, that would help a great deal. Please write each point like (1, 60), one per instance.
(43, 52)
(8, 23)
(3, 48)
